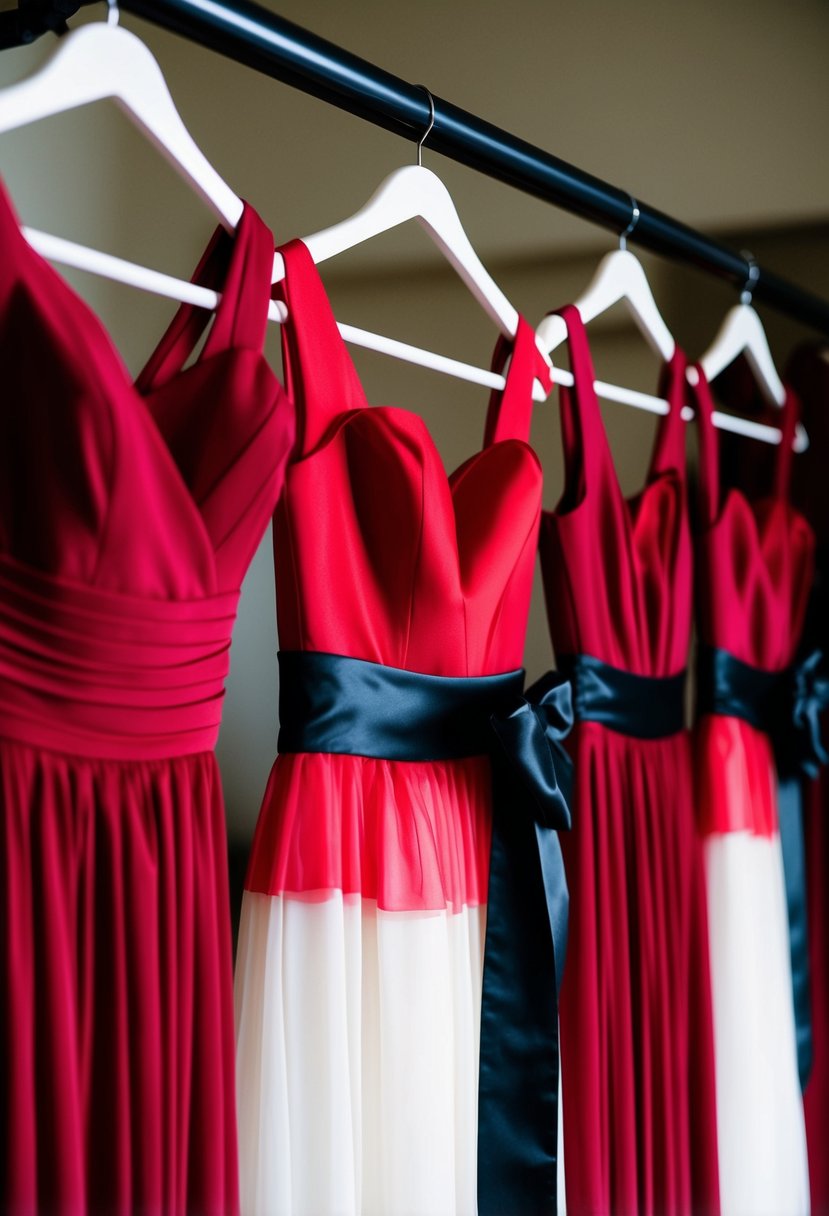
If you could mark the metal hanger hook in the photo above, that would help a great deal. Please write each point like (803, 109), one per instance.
(753, 275)
(428, 130)
(634, 220)
(113, 14)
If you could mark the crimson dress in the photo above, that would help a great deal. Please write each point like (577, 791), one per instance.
(637, 1059)
(358, 979)
(808, 371)
(755, 563)
(128, 516)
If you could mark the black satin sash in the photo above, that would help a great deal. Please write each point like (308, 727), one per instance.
(645, 707)
(727, 686)
(332, 703)
(787, 706)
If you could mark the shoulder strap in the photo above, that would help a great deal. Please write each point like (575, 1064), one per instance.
(242, 317)
(319, 373)
(510, 409)
(708, 474)
(240, 267)
(669, 446)
(586, 450)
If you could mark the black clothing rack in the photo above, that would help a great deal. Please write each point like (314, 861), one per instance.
(250, 34)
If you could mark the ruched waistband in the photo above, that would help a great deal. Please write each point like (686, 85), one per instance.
(110, 676)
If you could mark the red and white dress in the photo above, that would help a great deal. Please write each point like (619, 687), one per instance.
(755, 563)
(128, 516)
(358, 981)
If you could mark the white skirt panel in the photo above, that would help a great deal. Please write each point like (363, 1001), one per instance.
(762, 1140)
(357, 1058)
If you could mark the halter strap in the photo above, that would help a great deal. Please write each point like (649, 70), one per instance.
(669, 447)
(510, 409)
(320, 376)
(586, 449)
(238, 265)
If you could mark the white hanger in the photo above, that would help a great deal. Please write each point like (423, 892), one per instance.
(621, 277)
(104, 60)
(742, 333)
(414, 192)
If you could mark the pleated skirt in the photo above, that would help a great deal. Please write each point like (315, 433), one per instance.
(116, 1013)
(636, 1028)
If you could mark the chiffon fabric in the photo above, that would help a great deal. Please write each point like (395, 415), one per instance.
(755, 566)
(358, 979)
(636, 1032)
(128, 515)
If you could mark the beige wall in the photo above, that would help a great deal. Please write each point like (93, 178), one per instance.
(718, 113)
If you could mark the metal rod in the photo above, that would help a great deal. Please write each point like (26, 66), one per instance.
(252, 35)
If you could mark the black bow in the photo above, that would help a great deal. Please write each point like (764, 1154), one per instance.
(799, 744)
(526, 942)
(530, 735)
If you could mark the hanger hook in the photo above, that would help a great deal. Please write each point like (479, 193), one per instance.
(753, 275)
(634, 220)
(428, 130)
(113, 14)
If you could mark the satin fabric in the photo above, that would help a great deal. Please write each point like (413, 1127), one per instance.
(790, 796)
(381, 557)
(637, 1055)
(646, 707)
(128, 515)
(755, 562)
(335, 704)
(808, 372)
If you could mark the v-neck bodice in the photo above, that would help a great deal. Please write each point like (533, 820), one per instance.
(617, 571)
(755, 555)
(157, 489)
(380, 555)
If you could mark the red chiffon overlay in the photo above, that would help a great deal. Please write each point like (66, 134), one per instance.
(637, 1046)
(128, 516)
(381, 557)
(756, 565)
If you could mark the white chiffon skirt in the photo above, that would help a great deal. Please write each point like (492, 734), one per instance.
(762, 1139)
(357, 1058)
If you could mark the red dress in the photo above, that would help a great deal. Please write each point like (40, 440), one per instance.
(637, 1060)
(358, 977)
(755, 561)
(128, 515)
(808, 371)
